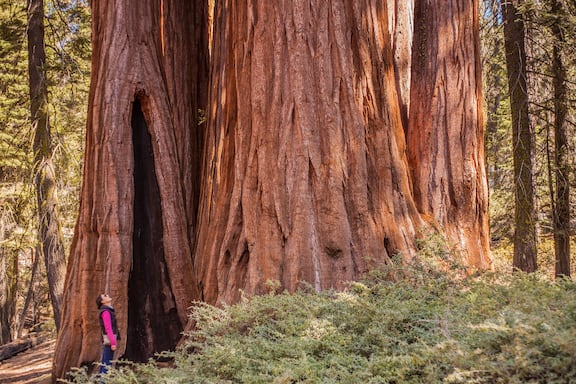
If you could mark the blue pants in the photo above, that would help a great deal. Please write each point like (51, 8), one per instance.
(107, 356)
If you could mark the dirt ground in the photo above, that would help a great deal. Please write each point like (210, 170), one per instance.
(29, 367)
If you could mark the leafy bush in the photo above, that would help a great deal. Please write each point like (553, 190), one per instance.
(428, 327)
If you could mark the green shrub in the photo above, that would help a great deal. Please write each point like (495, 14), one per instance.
(428, 327)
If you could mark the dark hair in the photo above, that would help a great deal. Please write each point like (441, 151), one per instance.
(99, 301)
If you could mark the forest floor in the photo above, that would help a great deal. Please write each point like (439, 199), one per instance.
(32, 366)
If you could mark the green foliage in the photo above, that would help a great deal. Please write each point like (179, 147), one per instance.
(68, 52)
(14, 125)
(498, 130)
(432, 328)
(538, 16)
(67, 37)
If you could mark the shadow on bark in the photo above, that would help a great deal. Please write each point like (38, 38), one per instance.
(153, 323)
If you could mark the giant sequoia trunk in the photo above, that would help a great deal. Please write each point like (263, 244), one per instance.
(305, 175)
(445, 128)
(133, 238)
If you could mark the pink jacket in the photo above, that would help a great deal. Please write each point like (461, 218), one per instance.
(108, 327)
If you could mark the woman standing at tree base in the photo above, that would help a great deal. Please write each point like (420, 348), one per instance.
(109, 330)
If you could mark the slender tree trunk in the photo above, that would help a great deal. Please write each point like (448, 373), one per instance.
(562, 149)
(45, 180)
(135, 228)
(8, 290)
(30, 293)
(523, 139)
(496, 169)
(445, 130)
(495, 99)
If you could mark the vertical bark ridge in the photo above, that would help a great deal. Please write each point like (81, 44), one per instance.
(401, 27)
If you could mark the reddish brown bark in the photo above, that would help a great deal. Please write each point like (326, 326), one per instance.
(306, 177)
(134, 233)
(445, 129)
(401, 26)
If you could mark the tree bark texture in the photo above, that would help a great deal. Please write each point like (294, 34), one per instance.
(8, 289)
(135, 229)
(44, 174)
(401, 27)
(445, 128)
(524, 257)
(562, 149)
(305, 177)
(306, 170)
(35, 255)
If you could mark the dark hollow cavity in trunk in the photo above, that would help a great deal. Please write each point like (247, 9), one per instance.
(153, 323)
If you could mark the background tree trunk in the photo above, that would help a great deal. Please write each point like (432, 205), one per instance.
(445, 129)
(35, 255)
(8, 285)
(562, 150)
(44, 176)
(495, 101)
(523, 139)
(133, 236)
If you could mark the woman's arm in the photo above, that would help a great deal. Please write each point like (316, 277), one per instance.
(108, 327)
